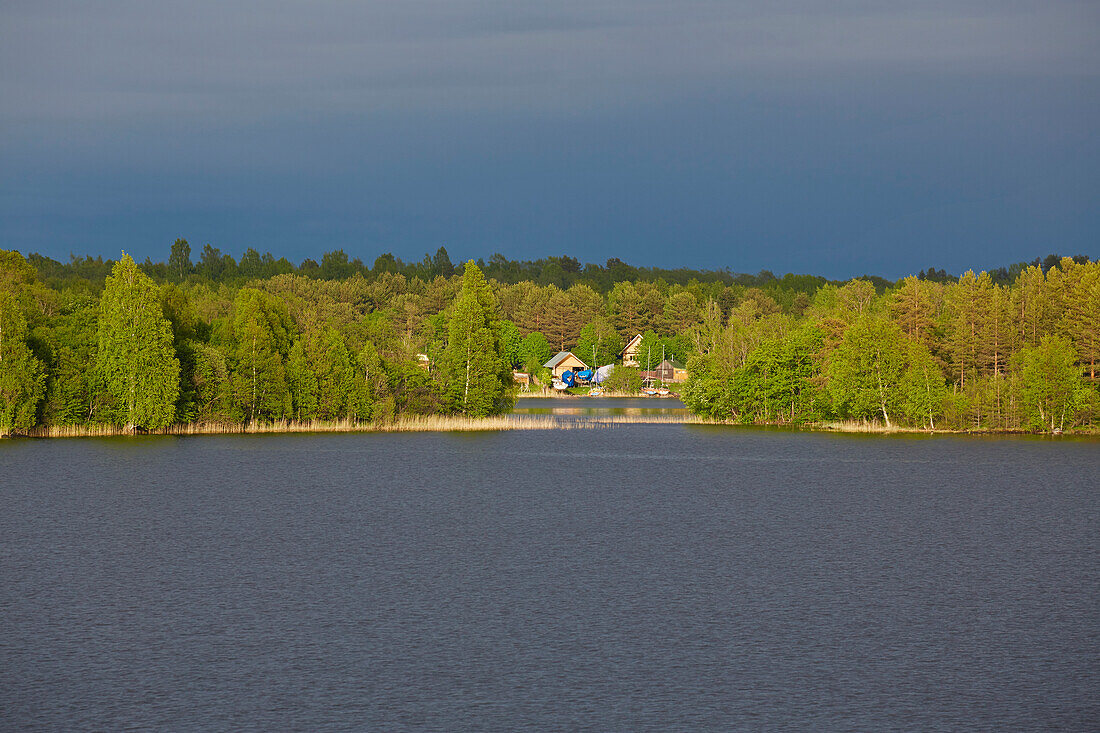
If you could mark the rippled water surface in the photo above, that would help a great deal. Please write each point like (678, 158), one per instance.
(635, 578)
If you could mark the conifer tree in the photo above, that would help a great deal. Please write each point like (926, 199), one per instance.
(1081, 319)
(136, 359)
(914, 305)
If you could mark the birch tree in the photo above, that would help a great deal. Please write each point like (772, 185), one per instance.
(136, 359)
(478, 379)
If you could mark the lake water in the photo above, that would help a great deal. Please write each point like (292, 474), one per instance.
(634, 578)
(580, 407)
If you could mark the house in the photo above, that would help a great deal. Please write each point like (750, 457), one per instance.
(424, 362)
(564, 361)
(630, 353)
(671, 371)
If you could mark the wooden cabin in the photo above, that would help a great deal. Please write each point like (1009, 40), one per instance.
(671, 371)
(564, 361)
(629, 354)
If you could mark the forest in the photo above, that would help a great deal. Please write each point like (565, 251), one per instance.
(235, 341)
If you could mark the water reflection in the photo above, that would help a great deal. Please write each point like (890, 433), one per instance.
(592, 407)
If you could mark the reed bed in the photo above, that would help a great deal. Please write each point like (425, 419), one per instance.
(404, 424)
(865, 426)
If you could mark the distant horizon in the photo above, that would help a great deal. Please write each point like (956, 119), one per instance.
(369, 261)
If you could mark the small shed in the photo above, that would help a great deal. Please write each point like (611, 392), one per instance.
(564, 361)
(630, 351)
(671, 371)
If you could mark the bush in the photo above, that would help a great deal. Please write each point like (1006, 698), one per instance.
(624, 379)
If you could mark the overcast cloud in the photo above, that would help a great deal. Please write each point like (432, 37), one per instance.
(835, 137)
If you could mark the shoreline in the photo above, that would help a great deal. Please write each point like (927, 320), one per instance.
(550, 395)
(448, 424)
(410, 424)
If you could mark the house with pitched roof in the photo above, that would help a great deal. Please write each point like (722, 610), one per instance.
(671, 371)
(630, 353)
(564, 361)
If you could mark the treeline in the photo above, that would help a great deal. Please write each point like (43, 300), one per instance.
(213, 265)
(262, 339)
(144, 355)
(966, 354)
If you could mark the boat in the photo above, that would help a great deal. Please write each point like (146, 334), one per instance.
(663, 392)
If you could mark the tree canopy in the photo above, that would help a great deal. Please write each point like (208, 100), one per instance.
(136, 359)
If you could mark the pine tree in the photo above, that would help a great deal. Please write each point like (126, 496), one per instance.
(969, 303)
(1081, 318)
(1031, 304)
(627, 310)
(914, 306)
(136, 358)
(681, 312)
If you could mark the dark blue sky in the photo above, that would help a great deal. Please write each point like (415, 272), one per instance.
(792, 135)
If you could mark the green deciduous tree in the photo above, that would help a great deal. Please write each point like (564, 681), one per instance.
(205, 383)
(510, 340)
(778, 382)
(650, 351)
(534, 351)
(922, 386)
(302, 383)
(1052, 389)
(866, 368)
(599, 343)
(22, 377)
(624, 379)
(179, 261)
(477, 377)
(136, 359)
(339, 385)
(261, 333)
